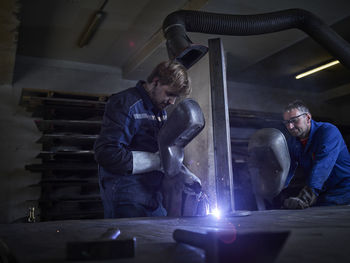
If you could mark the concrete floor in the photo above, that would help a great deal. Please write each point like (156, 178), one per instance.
(318, 234)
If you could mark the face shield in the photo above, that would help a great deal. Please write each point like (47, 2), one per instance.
(184, 123)
(268, 162)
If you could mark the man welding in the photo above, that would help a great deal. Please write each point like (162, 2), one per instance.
(127, 150)
(319, 149)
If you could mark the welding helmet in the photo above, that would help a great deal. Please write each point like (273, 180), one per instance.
(185, 122)
(268, 162)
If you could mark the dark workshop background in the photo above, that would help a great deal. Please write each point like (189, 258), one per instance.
(52, 89)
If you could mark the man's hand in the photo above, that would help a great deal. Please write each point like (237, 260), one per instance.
(305, 199)
(294, 203)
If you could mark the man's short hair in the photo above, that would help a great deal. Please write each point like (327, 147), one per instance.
(173, 74)
(297, 104)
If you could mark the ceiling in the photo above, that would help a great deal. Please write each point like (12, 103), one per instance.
(130, 38)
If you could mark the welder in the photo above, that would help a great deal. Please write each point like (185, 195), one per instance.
(127, 151)
(311, 167)
(318, 148)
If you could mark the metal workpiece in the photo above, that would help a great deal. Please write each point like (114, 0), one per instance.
(184, 123)
(268, 162)
(230, 246)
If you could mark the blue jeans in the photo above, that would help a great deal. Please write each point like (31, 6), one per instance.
(128, 196)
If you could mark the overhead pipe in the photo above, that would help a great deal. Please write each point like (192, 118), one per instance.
(180, 47)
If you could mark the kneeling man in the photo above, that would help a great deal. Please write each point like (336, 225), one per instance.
(319, 149)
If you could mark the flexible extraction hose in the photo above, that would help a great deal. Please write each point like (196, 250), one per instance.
(243, 25)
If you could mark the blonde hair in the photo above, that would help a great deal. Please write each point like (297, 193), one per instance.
(173, 74)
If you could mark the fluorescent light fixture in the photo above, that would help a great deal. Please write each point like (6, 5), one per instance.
(332, 63)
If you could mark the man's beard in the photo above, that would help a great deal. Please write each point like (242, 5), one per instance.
(158, 105)
(298, 133)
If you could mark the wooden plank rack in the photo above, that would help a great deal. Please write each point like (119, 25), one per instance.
(85, 126)
(62, 166)
(52, 155)
(70, 124)
(57, 105)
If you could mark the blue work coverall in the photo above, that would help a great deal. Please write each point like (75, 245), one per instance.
(130, 123)
(326, 162)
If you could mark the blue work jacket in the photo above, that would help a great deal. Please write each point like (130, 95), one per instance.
(130, 123)
(326, 162)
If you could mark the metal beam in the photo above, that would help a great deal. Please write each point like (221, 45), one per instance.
(221, 126)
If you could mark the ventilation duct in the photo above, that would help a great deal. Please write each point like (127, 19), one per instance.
(181, 48)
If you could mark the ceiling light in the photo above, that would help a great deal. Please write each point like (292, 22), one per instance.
(92, 26)
(332, 63)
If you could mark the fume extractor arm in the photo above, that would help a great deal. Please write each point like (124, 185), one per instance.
(180, 46)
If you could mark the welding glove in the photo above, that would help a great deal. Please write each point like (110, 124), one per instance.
(191, 182)
(305, 199)
(143, 162)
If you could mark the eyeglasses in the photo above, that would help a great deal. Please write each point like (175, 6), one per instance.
(293, 120)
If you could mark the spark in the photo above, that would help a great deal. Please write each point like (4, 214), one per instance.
(216, 213)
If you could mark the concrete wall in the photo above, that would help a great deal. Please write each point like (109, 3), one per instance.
(67, 76)
(343, 112)
(259, 98)
(17, 139)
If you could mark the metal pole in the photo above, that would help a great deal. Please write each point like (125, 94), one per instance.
(221, 127)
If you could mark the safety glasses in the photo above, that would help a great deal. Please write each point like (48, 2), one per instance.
(293, 120)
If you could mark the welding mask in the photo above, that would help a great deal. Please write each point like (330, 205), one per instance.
(268, 162)
(184, 123)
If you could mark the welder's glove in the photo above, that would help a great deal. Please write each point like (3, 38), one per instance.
(143, 162)
(192, 183)
(305, 199)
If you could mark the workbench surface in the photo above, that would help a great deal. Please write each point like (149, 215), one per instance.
(318, 234)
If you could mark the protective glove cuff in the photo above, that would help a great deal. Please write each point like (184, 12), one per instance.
(306, 198)
(143, 162)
